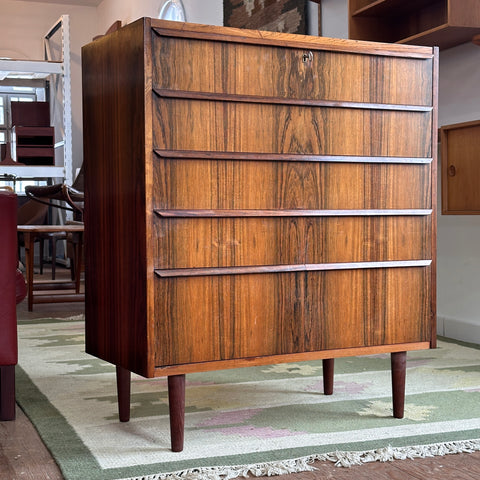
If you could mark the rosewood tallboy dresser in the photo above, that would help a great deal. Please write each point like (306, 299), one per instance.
(253, 198)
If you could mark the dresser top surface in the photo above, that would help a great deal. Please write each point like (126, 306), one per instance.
(229, 34)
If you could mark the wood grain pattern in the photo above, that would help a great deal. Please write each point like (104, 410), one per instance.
(115, 202)
(198, 125)
(275, 314)
(196, 243)
(272, 185)
(281, 72)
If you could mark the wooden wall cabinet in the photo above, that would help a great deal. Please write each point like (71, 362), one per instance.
(460, 153)
(442, 23)
(255, 197)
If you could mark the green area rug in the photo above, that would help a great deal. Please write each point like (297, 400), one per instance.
(260, 420)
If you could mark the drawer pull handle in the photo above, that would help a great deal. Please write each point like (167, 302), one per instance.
(452, 171)
(307, 57)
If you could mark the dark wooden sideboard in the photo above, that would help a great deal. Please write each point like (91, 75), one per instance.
(254, 197)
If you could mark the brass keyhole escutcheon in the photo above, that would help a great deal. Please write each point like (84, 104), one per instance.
(452, 170)
(307, 57)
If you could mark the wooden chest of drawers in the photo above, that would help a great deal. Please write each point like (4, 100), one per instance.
(255, 197)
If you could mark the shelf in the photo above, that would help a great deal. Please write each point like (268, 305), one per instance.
(30, 69)
(442, 23)
(34, 145)
(32, 171)
(443, 36)
(390, 8)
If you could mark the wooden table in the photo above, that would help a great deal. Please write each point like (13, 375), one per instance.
(30, 233)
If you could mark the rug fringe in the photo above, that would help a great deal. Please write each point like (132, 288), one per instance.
(304, 464)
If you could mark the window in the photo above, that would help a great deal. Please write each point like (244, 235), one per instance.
(21, 99)
(3, 120)
(2, 111)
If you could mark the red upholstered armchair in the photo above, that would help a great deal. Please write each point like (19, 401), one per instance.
(12, 291)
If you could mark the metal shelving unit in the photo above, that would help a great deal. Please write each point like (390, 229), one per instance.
(56, 69)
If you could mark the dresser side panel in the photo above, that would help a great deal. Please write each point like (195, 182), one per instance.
(115, 223)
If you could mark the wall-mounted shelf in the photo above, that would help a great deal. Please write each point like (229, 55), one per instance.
(442, 23)
(460, 147)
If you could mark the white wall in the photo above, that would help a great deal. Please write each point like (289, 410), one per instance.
(459, 235)
(23, 26)
(205, 11)
(335, 18)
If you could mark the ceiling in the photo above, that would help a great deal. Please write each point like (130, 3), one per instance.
(85, 3)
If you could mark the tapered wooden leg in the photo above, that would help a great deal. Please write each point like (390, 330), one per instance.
(176, 402)
(42, 251)
(399, 369)
(123, 393)
(7, 392)
(328, 368)
(29, 239)
(54, 255)
(78, 260)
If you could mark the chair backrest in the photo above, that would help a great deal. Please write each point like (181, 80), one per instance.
(78, 182)
(32, 213)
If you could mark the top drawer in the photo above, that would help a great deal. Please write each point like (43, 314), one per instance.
(220, 67)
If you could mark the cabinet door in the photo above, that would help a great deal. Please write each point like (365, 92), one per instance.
(460, 144)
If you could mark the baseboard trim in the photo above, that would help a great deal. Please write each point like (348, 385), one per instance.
(458, 329)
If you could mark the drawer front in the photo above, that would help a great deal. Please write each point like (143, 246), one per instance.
(241, 69)
(229, 184)
(186, 124)
(264, 314)
(182, 243)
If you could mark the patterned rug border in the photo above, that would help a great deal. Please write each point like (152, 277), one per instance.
(304, 464)
(76, 461)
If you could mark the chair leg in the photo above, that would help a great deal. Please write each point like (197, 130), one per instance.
(54, 256)
(7, 392)
(41, 255)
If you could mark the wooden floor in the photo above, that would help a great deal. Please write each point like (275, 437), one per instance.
(24, 457)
